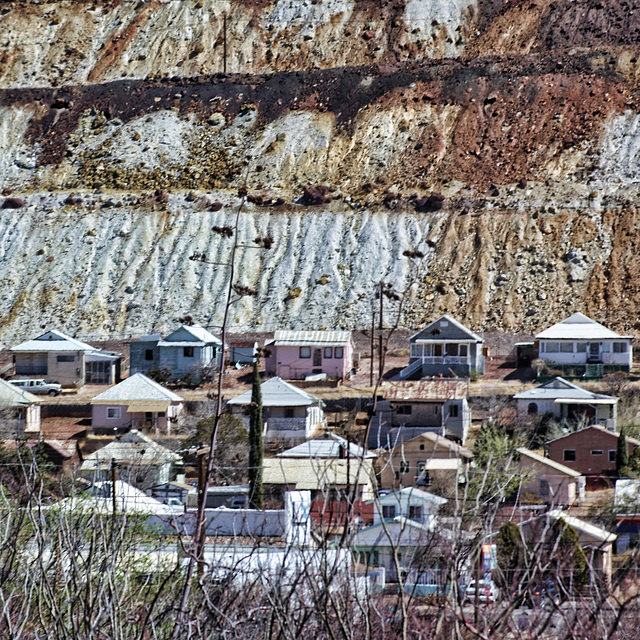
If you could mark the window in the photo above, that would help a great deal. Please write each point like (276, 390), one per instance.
(544, 488)
(288, 413)
(532, 409)
(566, 347)
(569, 455)
(388, 511)
(619, 347)
(422, 447)
(612, 455)
(305, 352)
(338, 352)
(552, 347)
(451, 349)
(187, 352)
(404, 467)
(113, 413)
(328, 353)
(148, 354)
(596, 452)
(405, 410)
(415, 512)
(581, 347)
(66, 358)
(463, 350)
(436, 408)
(162, 414)
(453, 411)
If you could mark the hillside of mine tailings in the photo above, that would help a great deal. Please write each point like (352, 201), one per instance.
(500, 139)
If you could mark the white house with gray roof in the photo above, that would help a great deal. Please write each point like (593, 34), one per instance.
(444, 348)
(189, 350)
(579, 341)
(289, 414)
(20, 411)
(136, 402)
(57, 357)
(567, 401)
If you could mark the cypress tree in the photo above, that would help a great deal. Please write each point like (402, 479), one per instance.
(622, 453)
(256, 495)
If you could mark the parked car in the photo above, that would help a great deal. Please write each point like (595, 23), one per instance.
(38, 386)
(487, 592)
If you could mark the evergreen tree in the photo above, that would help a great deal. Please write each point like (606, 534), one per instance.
(256, 495)
(622, 454)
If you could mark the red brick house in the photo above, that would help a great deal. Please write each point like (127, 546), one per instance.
(591, 451)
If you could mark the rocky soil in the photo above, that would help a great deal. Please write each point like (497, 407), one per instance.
(500, 139)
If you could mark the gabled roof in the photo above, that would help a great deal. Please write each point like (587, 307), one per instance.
(556, 466)
(278, 393)
(446, 328)
(581, 526)
(400, 532)
(425, 390)
(330, 447)
(455, 450)
(311, 338)
(561, 389)
(54, 341)
(189, 335)
(135, 388)
(577, 327)
(133, 448)
(11, 396)
(611, 434)
(410, 492)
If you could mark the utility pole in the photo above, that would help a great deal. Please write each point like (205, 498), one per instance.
(373, 346)
(380, 358)
(202, 502)
(114, 476)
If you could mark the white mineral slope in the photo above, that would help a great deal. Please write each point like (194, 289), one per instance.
(72, 42)
(120, 272)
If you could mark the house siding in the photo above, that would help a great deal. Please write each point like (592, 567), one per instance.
(285, 362)
(583, 442)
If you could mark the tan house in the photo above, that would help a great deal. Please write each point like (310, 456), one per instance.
(590, 451)
(597, 543)
(57, 357)
(552, 482)
(420, 460)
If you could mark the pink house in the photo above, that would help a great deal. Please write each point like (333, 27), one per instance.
(294, 355)
(136, 402)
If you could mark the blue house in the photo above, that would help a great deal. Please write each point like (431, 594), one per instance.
(444, 348)
(190, 349)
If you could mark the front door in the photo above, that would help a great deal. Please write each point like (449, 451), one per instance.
(594, 350)
(317, 357)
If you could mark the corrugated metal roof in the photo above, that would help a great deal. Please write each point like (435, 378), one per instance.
(315, 474)
(327, 448)
(278, 393)
(455, 449)
(561, 389)
(438, 389)
(311, 338)
(136, 387)
(54, 340)
(133, 448)
(548, 462)
(577, 327)
(11, 396)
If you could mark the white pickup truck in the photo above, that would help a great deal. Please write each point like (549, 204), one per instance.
(38, 386)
